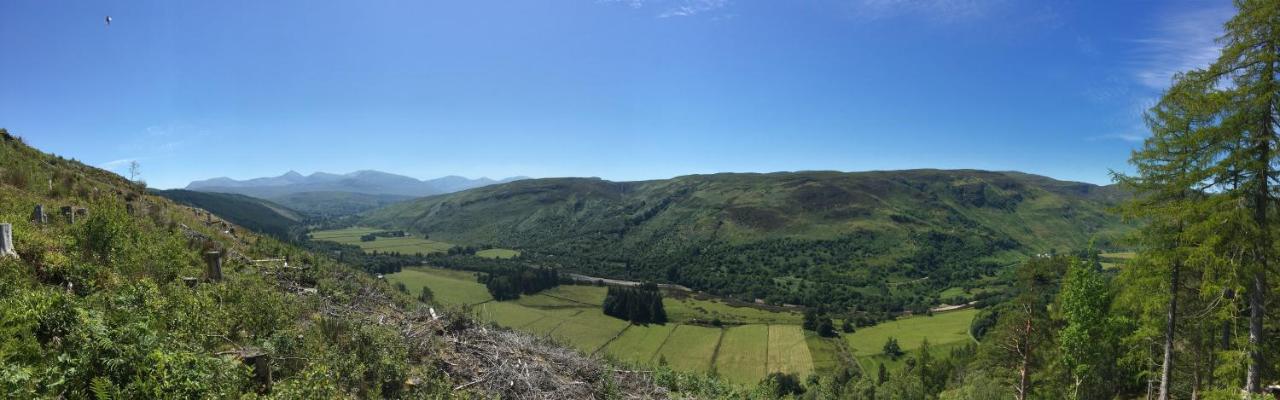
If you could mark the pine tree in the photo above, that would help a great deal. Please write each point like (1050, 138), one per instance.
(1231, 154)
(1165, 195)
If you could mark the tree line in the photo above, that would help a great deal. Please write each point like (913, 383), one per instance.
(638, 304)
(510, 282)
(1205, 191)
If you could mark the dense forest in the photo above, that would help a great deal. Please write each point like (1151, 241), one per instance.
(510, 282)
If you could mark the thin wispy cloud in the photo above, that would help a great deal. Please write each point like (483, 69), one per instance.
(693, 7)
(1128, 136)
(1180, 42)
(944, 10)
(629, 3)
(159, 140)
(676, 8)
(1133, 127)
(116, 164)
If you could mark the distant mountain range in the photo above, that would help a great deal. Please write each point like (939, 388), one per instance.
(340, 194)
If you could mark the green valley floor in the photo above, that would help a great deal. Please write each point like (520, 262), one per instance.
(752, 343)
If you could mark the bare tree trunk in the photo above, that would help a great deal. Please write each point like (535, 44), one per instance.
(1166, 369)
(1024, 368)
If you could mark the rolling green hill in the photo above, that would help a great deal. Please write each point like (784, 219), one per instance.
(803, 237)
(253, 213)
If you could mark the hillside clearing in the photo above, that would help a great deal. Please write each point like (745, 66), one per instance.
(402, 245)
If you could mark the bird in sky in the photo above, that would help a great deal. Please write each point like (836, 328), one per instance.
(108, 21)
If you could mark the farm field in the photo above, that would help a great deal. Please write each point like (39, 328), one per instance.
(743, 353)
(942, 329)
(497, 253)
(689, 309)
(788, 351)
(690, 347)
(827, 353)
(872, 363)
(404, 245)
(449, 287)
(639, 343)
(760, 341)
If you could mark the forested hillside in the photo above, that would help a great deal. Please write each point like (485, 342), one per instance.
(253, 213)
(880, 241)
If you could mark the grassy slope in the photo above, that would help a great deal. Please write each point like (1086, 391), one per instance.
(941, 329)
(653, 223)
(124, 320)
(253, 213)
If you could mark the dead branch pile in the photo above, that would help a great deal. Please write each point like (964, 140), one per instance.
(496, 362)
(515, 365)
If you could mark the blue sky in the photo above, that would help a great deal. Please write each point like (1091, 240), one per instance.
(620, 89)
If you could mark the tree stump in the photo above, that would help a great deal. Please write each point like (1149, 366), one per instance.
(70, 213)
(213, 266)
(38, 216)
(6, 240)
(260, 363)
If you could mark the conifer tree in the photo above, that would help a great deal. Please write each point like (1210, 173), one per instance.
(1166, 190)
(1231, 152)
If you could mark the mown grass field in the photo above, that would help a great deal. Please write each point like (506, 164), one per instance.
(449, 287)
(404, 245)
(690, 347)
(743, 353)
(942, 329)
(788, 351)
(497, 253)
(766, 341)
(639, 343)
(689, 309)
